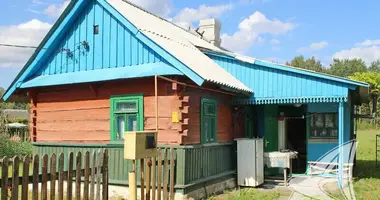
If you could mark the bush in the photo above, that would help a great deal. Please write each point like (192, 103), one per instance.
(10, 148)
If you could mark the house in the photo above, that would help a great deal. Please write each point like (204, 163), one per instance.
(96, 73)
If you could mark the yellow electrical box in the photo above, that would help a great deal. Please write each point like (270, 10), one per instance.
(140, 144)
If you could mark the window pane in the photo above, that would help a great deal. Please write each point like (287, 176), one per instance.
(312, 121)
(120, 126)
(329, 121)
(212, 129)
(334, 133)
(206, 130)
(319, 121)
(132, 123)
(130, 106)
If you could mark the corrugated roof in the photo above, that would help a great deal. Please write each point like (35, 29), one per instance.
(179, 43)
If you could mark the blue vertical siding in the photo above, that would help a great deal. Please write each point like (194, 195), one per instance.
(275, 83)
(114, 46)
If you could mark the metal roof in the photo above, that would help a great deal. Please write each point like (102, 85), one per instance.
(179, 43)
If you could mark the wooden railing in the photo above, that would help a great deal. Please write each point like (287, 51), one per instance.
(89, 174)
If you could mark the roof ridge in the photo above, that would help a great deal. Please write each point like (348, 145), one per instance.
(163, 19)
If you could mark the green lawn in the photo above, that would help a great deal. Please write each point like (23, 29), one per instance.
(367, 176)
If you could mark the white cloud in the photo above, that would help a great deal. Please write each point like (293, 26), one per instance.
(190, 15)
(55, 10)
(368, 54)
(159, 7)
(315, 46)
(251, 28)
(275, 41)
(276, 48)
(38, 2)
(368, 43)
(28, 34)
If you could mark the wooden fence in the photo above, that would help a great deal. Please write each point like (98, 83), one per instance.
(157, 176)
(89, 171)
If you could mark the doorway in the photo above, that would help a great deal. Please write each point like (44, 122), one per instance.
(296, 136)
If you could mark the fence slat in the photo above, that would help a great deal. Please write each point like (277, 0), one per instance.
(154, 178)
(93, 169)
(165, 176)
(70, 177)
(148, 173)
(78, 175)
(142, 187)
(25, 178)
(172, 173)
(45, 159)
(53, 175)
(105, 175)
(61, 165)
(15, 175)
(98, 174)
(4, 178)
(86, 175)
(159, 171)
(36, 162)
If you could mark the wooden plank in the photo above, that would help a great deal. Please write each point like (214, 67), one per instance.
(159, 175)
(15, 179)
(78, 176)
(154, 178)
(4, 178)
(99, 165)
(172, 173)
(148, 174)
(105, 175)
(142, 187)
(69, 192)
(36, 163)
(165, 174)
(25, 177)
(53, 175)
(93, 170)
(86, 176)
(61, 163)
(45, 160)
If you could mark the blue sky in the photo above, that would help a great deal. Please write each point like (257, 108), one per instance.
(276, 30)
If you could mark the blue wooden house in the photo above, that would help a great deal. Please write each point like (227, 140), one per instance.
(94, 75)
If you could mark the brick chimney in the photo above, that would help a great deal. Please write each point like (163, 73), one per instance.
(211, 30)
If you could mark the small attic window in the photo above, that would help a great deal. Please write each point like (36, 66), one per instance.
(96, 29)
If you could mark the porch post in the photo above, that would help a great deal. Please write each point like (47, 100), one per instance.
(340, 142)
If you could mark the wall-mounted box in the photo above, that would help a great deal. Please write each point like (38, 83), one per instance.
(140, 144)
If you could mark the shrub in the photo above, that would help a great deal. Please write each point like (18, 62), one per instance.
(12, 147)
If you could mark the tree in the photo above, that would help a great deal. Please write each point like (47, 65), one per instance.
(375, 66)
(372, 78)
(310, 63)
(347, 67)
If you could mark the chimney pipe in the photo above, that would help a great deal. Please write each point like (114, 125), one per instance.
(211, 30)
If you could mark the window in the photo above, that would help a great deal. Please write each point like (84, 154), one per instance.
(208, 120)
(324, 125)
(126, 115)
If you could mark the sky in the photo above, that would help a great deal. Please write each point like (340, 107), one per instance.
(275, 30)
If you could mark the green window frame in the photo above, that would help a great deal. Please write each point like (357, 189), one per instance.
(323, 125)
(209, 114)
(126, 114)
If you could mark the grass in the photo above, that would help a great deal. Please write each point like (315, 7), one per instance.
(247, 194)
(367, 176)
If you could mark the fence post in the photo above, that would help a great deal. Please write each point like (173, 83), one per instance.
(154, 178)
(165, 176)
(148, 173)
(86, 176)
(53, 175)
(36, 161)
(105, 174)
(172, 152)
(25, 178)
(69, 191)
(15, 168)
(45, 159)
(4, 178)
(78, 174)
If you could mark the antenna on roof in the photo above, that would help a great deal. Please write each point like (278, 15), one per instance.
(197, 31)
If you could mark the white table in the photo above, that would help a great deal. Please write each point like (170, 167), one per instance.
(280, 160)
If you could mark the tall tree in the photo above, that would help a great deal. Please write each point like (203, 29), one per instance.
(375, 66)
(347, 67)
(310, 63)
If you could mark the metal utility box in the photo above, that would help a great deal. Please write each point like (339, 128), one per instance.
(250, 158)
(140, 144)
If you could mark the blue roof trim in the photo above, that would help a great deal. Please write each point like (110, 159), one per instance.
(158, 49)
(136, 71)
(63, 23)
(47, 43)
(290, 100)
(294, 70)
